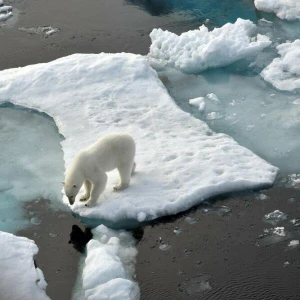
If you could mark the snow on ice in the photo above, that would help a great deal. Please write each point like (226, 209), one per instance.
(201, 49)
(284, 71)
(108, 269)
(180, 161)
(284, 9)
(19, 278)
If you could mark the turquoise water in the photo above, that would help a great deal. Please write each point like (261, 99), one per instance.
(219, 12)
(31, 164)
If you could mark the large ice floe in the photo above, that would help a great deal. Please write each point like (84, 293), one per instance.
(107, 271)
(19, 278)
(284, 9)
(198, 50)
(180, 161)
(284, 71)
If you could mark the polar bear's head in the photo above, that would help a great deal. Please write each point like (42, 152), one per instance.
(71, 190)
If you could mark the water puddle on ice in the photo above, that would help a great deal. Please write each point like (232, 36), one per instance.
(31, 165)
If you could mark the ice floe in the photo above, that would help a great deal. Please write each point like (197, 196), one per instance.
(275, 217)
(5, 11)
(19, 278)
(284, 71)
(284, 9)
(108, 269)
(198, 102)
(201, 49)
(180, 161)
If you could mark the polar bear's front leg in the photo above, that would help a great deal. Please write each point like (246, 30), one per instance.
(98, 187)
(87, 187)
(125, 171)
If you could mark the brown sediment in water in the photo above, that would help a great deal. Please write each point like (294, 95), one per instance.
(57, 258)
(218, 255)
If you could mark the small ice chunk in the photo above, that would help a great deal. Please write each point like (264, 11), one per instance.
(164, 247)
(250, 127)
(293, 243)
(275, 217)
(177, 230)
(213, 97)
(198, 102)
(296, 102)
(261, 196)
(295, 222)
(191, 220)
(279, 231)
(214, 115)
(43, 30)
(222, 210)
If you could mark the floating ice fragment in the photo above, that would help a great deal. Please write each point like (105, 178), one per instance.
(190, 220)
(296, 102)
(213, 97)
(198, 50)
(198, 102)
(164, 247)
(293, 243)
(293, 180)
(272, 236)
(284, 9)
(44, 30)
(295, 222)
(284, 72)
(177, 230)
(286, 263)
(275, 217)
(5, 12)
(222, 210)
(53, 235)
(214, 115)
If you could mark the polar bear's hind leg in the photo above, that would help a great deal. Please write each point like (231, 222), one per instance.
(125, 172)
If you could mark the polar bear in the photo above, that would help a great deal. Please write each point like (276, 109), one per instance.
(89, 167)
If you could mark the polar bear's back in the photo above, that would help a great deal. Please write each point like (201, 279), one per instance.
(111, 151)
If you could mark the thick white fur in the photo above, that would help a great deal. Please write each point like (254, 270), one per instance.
(89, 167)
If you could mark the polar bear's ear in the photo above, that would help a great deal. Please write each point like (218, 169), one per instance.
(63, 182)
(74, 185)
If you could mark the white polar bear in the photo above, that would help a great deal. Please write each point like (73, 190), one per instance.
(89, 167)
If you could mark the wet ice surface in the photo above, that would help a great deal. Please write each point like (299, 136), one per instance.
(23, 142)
(5, 12)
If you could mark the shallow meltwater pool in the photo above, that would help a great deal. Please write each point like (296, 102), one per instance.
(31, 164)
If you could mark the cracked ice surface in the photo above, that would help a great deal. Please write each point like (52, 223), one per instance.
(180, 161)
(197, 50)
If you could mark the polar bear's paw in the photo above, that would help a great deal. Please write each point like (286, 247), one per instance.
(121, 186)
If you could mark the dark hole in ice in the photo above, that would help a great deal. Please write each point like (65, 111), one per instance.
(80, 238)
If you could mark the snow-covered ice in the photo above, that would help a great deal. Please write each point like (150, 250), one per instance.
(19, 279)
(198, 50)
(284, 71)
(108, 269)
(284, 9)
(180, 161)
